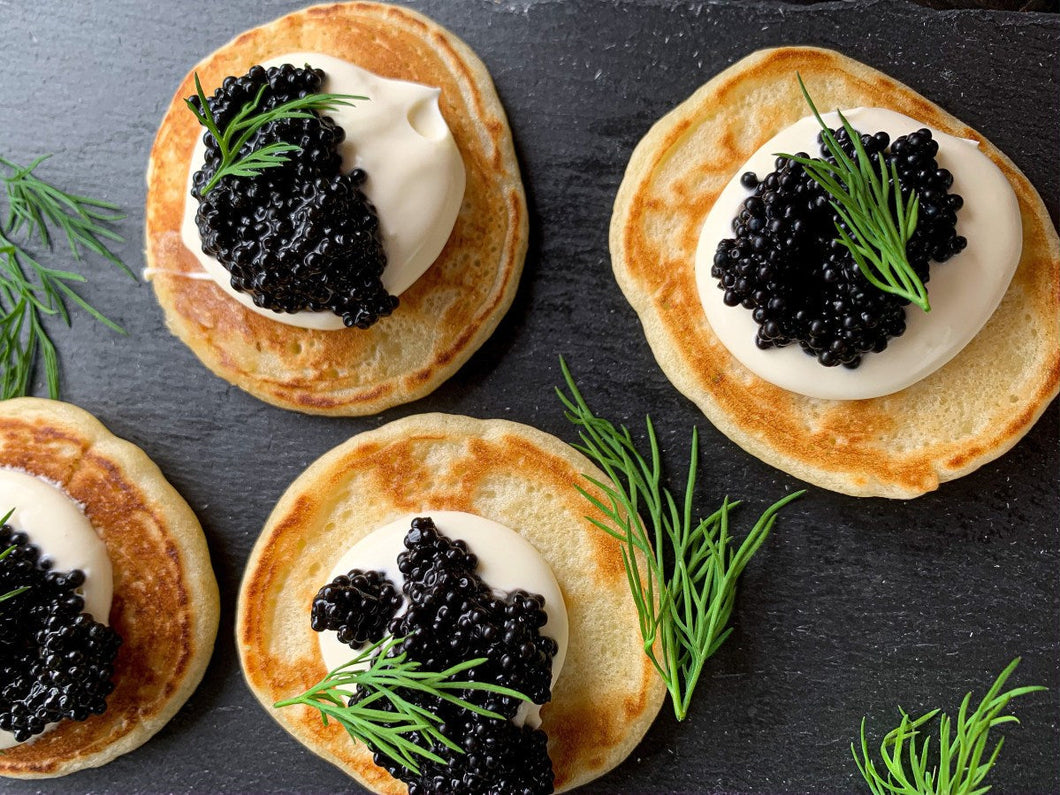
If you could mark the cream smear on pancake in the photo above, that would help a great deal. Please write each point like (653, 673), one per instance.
(58, 527)
(964, 291)
(416, 177)
(506, 562)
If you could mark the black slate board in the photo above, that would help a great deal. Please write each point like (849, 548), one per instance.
(851, 608)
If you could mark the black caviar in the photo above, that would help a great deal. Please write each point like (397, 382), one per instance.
(801, 285)
(300, 236)
(453, 616)
(56, 662)
(356, 606)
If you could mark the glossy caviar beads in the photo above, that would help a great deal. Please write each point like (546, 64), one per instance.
(356, 606)
(302, 235)
(801, 285)
(56, 662)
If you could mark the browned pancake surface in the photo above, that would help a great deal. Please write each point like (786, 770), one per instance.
(607, 694)
(442, 319)
(902, 445)
(165, 603)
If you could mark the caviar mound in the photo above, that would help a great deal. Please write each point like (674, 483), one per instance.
(165, 604)
(357, 606)
(299, 236)
(965, 414)
(452, 616)
(443, 318)
(607, 692)
(802, 286)
(56, 661)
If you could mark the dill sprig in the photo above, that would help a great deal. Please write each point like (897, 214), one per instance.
(30, 291)
(36, 204)
(683, 608)
(347, 695)
(959, 764)
(862, 198)
(246, 123)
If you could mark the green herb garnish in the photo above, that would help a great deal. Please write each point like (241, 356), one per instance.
(29, 291)
(347, 695)
(959, 763)
(243, 126)
(683, 608)
(873, 233)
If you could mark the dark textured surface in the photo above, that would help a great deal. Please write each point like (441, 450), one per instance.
(851, 608)
(996, 5)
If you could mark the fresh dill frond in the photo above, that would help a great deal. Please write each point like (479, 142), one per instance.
(862, 196)
(243, 126)
(682, 570)
(959, 762)
(38, 205)
(353, 694)
(30, 291)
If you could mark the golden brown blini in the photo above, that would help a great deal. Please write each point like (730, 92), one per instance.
(902, 445)
(165, 597)
(607, 694)
(442, 319)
